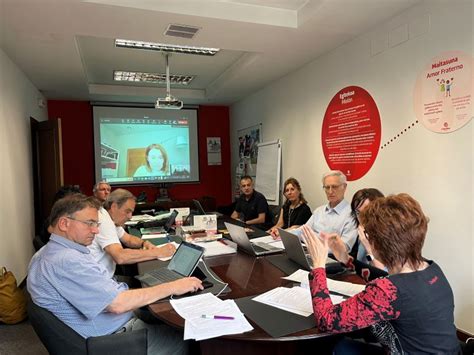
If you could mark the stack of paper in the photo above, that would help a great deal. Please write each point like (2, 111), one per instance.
(295, 300)
(216, 248)
(192, 309)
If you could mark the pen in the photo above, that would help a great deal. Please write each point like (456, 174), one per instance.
(206, 316)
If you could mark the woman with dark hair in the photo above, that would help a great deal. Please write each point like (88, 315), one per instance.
(412, 308)
(156, 162)
(295, 210)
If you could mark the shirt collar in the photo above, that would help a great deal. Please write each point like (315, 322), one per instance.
(339, 207)
(69, 243)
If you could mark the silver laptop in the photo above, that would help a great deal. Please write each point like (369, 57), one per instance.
(183, 263)
(240, 237)
(201, 211)
(295, 252)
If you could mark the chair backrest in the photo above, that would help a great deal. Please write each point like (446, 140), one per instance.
(56, 336)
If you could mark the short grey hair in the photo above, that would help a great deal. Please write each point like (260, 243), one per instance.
(338, 173)
(96, 186)
(118, 196)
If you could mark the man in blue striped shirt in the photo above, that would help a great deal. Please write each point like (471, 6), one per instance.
(64, 278)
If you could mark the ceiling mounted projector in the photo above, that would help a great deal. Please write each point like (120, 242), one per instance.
(169, 102)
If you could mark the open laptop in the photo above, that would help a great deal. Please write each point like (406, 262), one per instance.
(156, 227)
(240, 237)
(183, 264)
(295, 252)
(201, 211)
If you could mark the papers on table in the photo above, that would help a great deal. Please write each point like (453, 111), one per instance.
(299, 275)
(345, 288)
(146, 218)
(155, 236)
(295, 300)
(195, 327)
(268, 240)
(216, 248)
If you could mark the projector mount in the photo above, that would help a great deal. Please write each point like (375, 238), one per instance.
(169, 102)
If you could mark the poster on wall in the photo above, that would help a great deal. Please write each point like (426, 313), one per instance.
(248, 139)
(351, 132)
(443, 92)
(214, 151)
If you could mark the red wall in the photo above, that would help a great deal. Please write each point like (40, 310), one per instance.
(78, 152)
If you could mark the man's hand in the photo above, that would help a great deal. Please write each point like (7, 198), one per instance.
(317, 246)
(147, 245)
(185, 285)
(165, 250)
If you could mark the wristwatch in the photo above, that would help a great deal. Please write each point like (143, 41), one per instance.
(369, 258)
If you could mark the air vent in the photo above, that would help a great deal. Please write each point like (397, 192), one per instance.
(182, 31)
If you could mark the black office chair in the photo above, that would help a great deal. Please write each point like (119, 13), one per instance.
(60, 339)
(38, 243)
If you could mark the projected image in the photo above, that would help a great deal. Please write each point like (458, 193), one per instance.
(142, 146)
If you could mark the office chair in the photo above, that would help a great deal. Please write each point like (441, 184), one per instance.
(60, 339)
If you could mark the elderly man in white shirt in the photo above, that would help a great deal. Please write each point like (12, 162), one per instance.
(334, 218)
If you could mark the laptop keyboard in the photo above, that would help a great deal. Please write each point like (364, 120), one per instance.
(164, 275)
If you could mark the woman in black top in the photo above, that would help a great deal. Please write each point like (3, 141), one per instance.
(295, 211)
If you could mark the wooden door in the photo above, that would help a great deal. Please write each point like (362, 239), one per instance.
(47, 166)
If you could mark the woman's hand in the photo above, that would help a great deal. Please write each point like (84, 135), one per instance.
(363, 239)
(338, 247)
(317, 246)
(274, 233)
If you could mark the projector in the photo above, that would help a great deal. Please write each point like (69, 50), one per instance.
(168, 103)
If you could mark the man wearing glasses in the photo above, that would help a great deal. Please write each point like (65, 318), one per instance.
(107, 247)
(65, 279)
(335, 217)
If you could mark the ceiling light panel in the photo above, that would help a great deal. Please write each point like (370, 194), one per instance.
(125, 43)
(154, 78)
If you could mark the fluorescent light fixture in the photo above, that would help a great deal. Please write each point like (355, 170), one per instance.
(155, 78)
(125, 43)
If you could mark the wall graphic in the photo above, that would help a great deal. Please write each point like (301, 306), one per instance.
(443, 92)
(351, 132)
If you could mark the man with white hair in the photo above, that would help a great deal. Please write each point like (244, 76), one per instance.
(334, 218)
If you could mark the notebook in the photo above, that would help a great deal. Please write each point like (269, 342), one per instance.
(240, 237)
(183, 264)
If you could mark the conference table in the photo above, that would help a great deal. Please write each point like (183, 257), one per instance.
(247, 276)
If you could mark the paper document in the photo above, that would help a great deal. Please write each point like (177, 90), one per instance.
(300, 276)
(216, 248)
(342, 287)
(295, 300)
(345, 288)
(268, 240)
(196, 327)
(154, 236)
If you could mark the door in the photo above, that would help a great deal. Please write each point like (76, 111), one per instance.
(47, 166)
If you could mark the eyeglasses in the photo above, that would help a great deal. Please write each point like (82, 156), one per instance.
(90, 224)
(331, 187)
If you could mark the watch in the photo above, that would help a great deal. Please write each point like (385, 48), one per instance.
(369, 257)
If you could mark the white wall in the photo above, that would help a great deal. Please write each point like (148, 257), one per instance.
(436, 169)
(18, 102)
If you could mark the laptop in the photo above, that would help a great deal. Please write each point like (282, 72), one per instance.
(155, 227)
(183, 264)
(295, 252)
(201, 211)
(240, 237)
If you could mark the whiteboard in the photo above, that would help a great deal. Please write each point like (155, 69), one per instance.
(267, 180)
